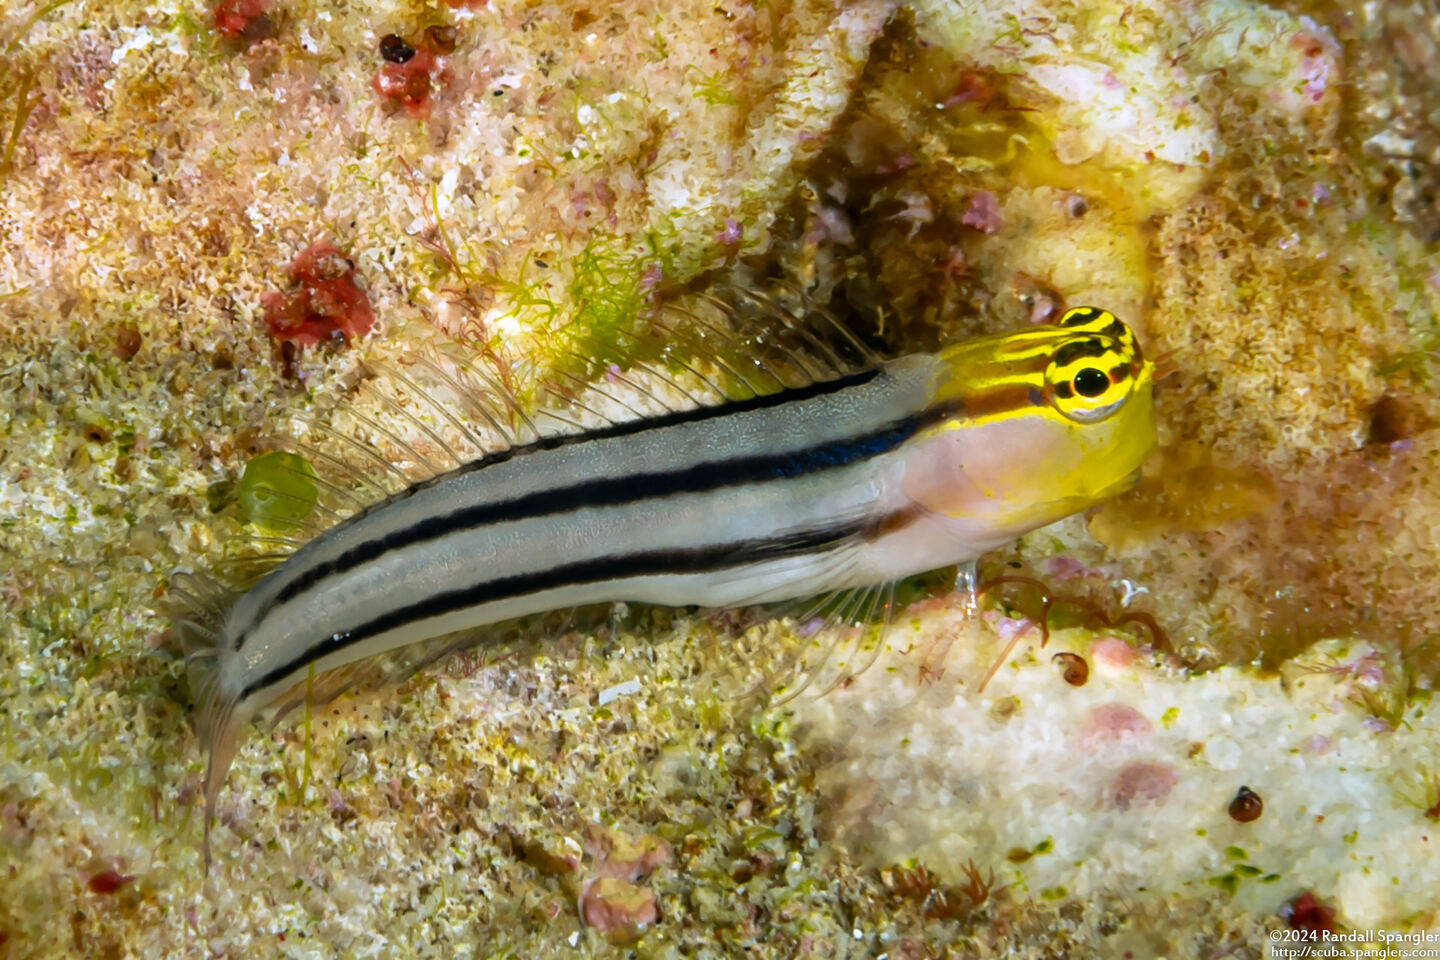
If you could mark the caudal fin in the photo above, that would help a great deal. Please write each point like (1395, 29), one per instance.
(201, 605)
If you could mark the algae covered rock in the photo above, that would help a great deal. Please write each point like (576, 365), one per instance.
(1252, 187)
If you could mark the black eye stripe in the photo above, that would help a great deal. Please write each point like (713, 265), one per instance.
(1080, 348)
(1119, 372)
(1078, 316)
(1063, 391)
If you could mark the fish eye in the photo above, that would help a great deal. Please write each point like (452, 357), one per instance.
(1090, 377)
(1091, 382)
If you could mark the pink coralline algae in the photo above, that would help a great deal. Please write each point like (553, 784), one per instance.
(1113, 652)
(1113, 722)
(1319, 64)
(1142, 783)
(618, 856)
(983, 213)
(611, 902)
(731, 235)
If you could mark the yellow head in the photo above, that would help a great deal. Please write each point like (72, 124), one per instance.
(1034, 425)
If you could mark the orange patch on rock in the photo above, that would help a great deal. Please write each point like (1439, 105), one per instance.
(619, 910)
(618, 856)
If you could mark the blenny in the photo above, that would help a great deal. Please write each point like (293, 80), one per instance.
(828, 478)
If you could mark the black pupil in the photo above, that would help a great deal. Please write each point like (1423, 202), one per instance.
(1091, 382)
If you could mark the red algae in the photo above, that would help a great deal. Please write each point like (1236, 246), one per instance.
(328, 305)
(408, 84)
(108, 881)
(1033, 600)
(244, 20)
(916, 884)
(408, 78)
(1307, 912)
(972, 87)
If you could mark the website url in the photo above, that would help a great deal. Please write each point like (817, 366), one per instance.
(1338, 950)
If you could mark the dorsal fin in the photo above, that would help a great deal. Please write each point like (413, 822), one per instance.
(415, 418)
(708, 348)
(418, 417)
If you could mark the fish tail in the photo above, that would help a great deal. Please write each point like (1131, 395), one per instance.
(199, 623)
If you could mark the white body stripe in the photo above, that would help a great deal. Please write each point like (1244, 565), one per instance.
(268, 635)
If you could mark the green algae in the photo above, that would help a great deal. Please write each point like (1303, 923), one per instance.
(277, 491)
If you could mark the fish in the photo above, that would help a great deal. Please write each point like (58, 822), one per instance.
(816, 471)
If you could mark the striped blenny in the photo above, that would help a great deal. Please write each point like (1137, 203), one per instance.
(853, 479)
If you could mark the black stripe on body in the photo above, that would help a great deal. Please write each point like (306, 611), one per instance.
(723, 556)
(616, 491)
(631, 427)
